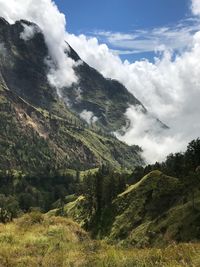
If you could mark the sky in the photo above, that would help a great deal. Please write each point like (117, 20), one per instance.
(151, 47)
(91, 17)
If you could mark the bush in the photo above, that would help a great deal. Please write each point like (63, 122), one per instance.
(29, 219)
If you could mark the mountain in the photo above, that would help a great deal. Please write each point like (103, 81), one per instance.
(37, 129)
(24, 70)
(107, 99)
(155, 211)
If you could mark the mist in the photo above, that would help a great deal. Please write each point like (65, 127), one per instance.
(53, 25)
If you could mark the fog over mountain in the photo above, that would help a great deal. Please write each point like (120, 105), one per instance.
(169, 87)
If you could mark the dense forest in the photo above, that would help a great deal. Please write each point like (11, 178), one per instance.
(20, 192)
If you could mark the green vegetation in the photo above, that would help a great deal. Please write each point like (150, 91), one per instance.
(181, 165)
(32, 140)
(43, 192)
(38, 240)
(155, 211)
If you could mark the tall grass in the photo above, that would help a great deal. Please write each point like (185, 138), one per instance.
(37, 240)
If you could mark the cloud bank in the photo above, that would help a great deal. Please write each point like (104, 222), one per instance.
(53, 24)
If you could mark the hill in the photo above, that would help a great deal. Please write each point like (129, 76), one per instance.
(153, 212)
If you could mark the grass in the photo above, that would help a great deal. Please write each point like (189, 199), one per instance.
(38, 240)
(134, 186)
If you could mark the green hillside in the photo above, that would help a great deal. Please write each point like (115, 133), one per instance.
(153, 212)
(31, 139)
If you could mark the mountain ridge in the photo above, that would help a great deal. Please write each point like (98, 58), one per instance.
(40, 116)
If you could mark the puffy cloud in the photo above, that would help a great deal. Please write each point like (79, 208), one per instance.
(88, 116)
(78, 93)
(144, 131)
(53, 24)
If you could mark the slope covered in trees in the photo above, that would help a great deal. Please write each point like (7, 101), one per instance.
(32, 139)
(155, 210)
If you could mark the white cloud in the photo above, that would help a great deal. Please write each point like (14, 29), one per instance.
(196, 7)
(78, 93)
(29, 32)
(139, 41)
(144, 131)
(88, 116)
(53, 24)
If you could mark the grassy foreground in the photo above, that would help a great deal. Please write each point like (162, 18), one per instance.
(37, 240)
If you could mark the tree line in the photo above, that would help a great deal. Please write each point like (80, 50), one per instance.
(20, 193)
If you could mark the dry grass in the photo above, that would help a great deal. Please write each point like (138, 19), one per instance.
(37, 240)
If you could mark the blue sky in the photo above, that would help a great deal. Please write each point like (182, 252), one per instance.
(133, 19)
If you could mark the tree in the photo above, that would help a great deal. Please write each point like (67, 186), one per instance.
(88, 190)
(192, 155)
(137, 174)
(175, 165)
(101, 188)
(192, 185)
(9, 208)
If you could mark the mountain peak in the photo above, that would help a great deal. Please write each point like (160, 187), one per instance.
(3, 21)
